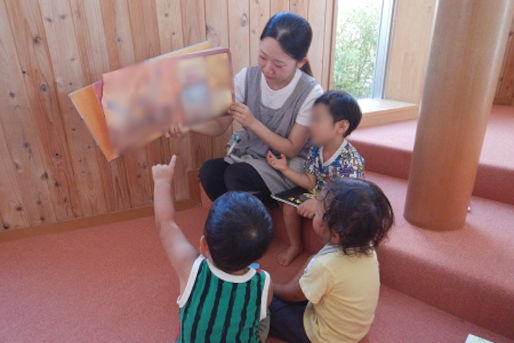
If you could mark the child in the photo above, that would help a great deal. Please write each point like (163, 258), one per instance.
(221, 297)
(341, 282)
(335, 115)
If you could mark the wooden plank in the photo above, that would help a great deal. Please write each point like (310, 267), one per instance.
(239, 29)
(333, 34)
(69, 75)
(23, 155)
(37, 75)
(89, 222)
(10, 218)
(145, 37)
(259, 16)
(217, 31)
(505, 90)
(300, 7)
(120, 51)
(216, 21)
(278, 6)
(118, 34)
(89, 30)
(409, 48)
(329, 42)
(316, 17)
(194, 30)
(169, 22)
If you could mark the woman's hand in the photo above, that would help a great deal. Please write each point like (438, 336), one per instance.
(242, 114)
(308, 208)
(176, 129)
(279, 164)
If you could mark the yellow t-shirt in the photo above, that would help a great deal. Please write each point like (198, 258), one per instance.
(343, 293)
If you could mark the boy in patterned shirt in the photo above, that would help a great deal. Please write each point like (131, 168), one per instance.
(335, 115)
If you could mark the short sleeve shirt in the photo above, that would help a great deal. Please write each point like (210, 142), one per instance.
(342, 291)
(345, 162)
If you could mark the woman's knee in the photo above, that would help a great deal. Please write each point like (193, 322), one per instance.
(209, 171)
(238, 177)
(211, 176)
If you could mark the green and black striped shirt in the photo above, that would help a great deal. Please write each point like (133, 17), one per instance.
(220, 307)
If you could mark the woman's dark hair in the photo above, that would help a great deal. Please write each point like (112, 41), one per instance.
(238, 231)
(293, 33)
(359, 212)
(342, 106)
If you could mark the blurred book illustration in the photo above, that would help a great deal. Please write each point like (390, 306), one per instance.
(294, 196)
(132, 106)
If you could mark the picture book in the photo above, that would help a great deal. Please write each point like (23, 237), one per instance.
(294, 196)
(132, 106)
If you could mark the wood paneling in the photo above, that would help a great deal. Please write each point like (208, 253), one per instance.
(52, 171)
(505, 91)
(411, 36)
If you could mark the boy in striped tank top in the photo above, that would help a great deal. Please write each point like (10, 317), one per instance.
(221, 298)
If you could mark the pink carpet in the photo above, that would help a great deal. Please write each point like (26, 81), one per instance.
(112, 283)
(388, 149)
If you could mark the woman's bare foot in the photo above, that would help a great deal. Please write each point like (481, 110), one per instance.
(288, 255)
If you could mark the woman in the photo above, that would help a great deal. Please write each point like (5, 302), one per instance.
(273, 104)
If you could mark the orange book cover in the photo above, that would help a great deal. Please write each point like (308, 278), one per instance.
(131, 106)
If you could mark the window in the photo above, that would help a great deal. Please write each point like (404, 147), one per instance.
(362, 41)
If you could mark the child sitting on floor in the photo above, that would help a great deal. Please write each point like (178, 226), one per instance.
(341, 282)
(335, 115)
(221, 298)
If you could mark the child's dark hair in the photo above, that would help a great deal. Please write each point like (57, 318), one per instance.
(238, 231)
(293, 33)
(359, 212)
(342, 106)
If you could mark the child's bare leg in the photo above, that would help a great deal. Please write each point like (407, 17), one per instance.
(292, 222)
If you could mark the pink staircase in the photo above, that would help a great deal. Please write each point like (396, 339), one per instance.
(112, 283)
(388, 150)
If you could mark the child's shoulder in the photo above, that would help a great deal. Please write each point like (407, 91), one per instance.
(335, 257)
(348, 148)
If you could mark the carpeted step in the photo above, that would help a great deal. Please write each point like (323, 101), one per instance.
(388, 148)
(113, 283)
(468, 272)
(402, 319)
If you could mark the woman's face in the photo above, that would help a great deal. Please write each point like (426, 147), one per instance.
(276, 65)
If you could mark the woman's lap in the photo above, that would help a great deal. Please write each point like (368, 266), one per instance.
(218, 177)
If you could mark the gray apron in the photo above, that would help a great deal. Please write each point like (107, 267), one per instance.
(251, 149)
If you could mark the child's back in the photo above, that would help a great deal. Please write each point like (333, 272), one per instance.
(217, 306)
(222, 299)
(345, 313)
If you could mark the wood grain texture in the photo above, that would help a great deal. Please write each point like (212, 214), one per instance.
(52, 171)
(410, 42)
(505, 90)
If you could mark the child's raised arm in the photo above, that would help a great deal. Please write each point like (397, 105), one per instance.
(307, 181)
(178, 249)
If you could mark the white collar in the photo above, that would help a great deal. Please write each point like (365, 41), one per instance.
(287, 88)
(230, 277)
(334, 155)
(328, 248)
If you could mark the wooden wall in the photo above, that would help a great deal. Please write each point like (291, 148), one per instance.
(505, 90)
(51, 170)
(409, 47)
